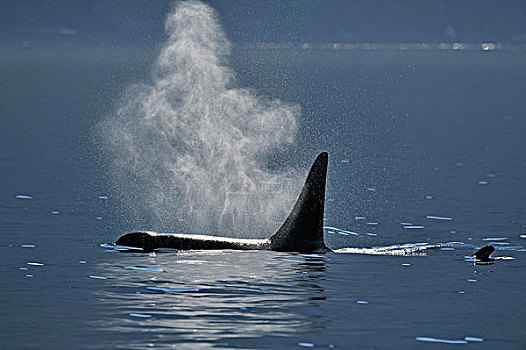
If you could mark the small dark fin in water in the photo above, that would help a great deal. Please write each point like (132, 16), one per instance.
(483, 254)
(303, 230)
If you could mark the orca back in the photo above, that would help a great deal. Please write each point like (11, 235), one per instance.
(302, 231)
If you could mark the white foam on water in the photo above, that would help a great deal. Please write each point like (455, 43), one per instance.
(140, 315)
(483, 182)
(408, 249)
(495, 238)
(506, 257)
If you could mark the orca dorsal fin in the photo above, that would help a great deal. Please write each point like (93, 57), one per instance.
(303, 229)
(483, 254)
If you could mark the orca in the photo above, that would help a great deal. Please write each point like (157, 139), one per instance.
(301, 232)
(483, 254)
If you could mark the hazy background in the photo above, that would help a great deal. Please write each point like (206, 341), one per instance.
(141, 22)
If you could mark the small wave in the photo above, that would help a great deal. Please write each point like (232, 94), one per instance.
(23, 196)
(98, 277)
(445, 218)
(141, 268)
(340, 231)
(174, 290)
(438, 340)
(116, 247)
(450, 341)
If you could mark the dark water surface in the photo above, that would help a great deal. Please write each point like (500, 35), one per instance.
(424, 146)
